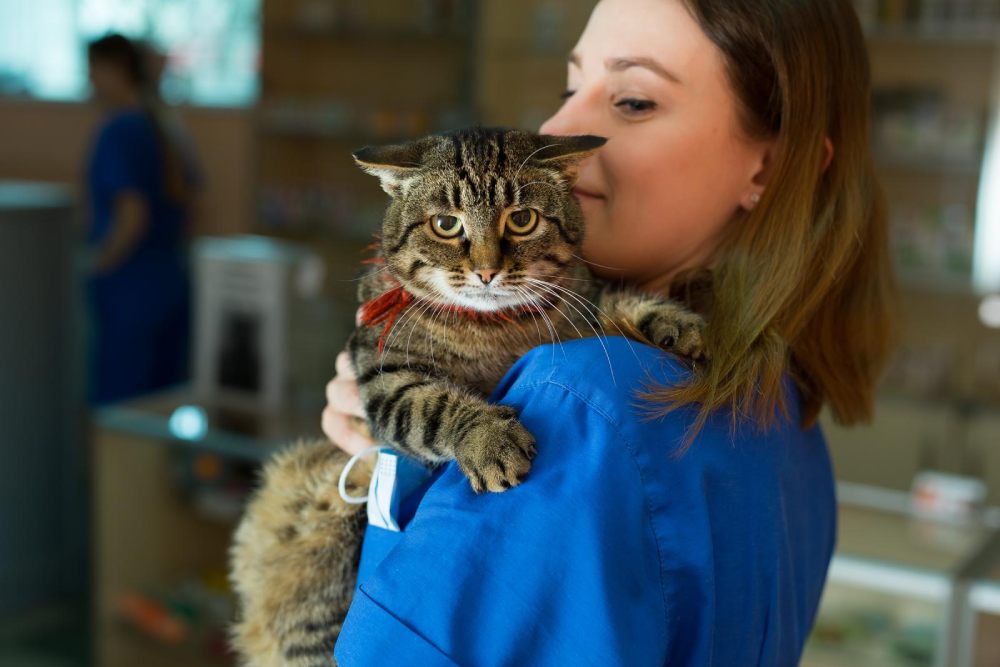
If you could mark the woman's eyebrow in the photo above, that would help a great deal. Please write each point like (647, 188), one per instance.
(622, 64)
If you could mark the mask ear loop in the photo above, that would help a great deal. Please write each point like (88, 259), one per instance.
(342, 484)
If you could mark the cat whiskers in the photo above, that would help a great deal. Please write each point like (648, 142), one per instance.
(523, 293)
(429, 329)
(531, 155)
(406, 351)
(545, 318)
(562, 277)
(551, 185)
(600, 266)
(409, 315)
(580, 298)
(601, 335)
(367, 274)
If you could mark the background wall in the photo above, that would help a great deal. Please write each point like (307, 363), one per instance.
(48, 141)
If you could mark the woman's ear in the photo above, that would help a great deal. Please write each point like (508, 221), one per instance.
(760, 173)
(828, 153)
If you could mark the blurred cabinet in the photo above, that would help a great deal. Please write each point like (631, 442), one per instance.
(43, 543)
(339, 74)
(522, 58)
(936, 108)
(170, 480)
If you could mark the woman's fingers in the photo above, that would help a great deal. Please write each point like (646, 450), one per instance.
(343, 395)
(344, 366)
(340, 429)
(343, 418)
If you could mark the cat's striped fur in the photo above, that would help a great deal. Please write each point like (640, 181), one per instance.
(456, 312)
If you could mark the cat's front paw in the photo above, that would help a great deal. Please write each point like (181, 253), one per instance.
(497, 454)
(677, 330)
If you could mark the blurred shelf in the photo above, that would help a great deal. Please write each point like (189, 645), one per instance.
(934, 281)
(438, 38)
(329, 235)
(331, 134)
(331, 120)
(236, 434)
(944, 35)
(928, 165)
(923, 553)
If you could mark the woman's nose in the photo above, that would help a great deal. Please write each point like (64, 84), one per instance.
(553, 125)
(579, 114)
(560, 123)
(575, 116)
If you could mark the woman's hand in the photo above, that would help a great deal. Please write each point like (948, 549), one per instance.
(344, 417)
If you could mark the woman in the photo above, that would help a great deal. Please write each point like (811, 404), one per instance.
(141, 187)
(738, 177)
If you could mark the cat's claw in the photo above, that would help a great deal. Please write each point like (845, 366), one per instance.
(680, 332)
(496, 455)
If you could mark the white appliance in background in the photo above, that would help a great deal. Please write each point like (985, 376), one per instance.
(263, 333)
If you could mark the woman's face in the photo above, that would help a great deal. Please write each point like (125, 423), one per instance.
(109, 81)
(676, 168)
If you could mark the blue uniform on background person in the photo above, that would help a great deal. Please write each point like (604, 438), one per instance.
(140, 185)
(591, 560)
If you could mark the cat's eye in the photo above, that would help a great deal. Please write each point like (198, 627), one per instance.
(446, 226)
(523, 222)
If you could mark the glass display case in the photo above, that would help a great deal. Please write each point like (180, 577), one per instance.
(894, 585)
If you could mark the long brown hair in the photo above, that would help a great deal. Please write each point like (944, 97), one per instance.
(804, 282)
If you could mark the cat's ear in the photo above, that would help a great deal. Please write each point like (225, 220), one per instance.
(392, 165)
(566, 153)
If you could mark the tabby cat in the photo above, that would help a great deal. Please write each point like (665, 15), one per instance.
(476, 265)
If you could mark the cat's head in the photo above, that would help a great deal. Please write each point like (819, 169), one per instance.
(478, 214)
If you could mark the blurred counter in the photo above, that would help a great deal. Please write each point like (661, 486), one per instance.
(898, 592)
(176, 417)
(171, 477)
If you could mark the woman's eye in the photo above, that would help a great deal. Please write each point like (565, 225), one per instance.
(523, 222)
(446, 226)
(634, 106)
(566, 94)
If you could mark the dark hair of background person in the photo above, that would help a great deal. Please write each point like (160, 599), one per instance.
(804, 283)
(137, 62)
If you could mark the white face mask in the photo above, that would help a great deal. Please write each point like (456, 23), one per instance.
(394, 478)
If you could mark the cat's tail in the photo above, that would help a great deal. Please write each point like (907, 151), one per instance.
(293, 561)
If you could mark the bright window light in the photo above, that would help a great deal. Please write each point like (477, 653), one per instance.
(212, 46)
(986, 258)
(989, 311)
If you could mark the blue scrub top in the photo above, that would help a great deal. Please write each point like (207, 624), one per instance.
(613, 551)
(140, 308)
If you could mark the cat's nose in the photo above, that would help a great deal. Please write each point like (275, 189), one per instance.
(486, 275)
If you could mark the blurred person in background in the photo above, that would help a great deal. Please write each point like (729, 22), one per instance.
(142, 184)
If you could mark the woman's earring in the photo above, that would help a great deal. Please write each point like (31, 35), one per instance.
(754, 199)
